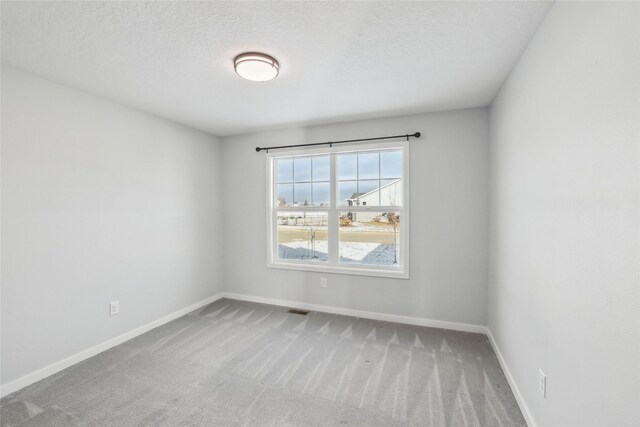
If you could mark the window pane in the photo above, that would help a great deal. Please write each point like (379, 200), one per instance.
(369, 194)
(347, 166)
(391, 192)
(371, 238)
(302, 235)
(391, 164)
(302, 194)
(302, 169)
(321, 168)
(285, 170)
(347, 193)
(368, 166)
(320, 193)
(284, 195)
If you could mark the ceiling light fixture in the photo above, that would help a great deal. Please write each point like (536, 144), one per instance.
(257, 67)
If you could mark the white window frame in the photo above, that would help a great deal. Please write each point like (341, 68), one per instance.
(332, 264)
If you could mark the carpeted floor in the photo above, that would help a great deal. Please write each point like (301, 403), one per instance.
(236, 363)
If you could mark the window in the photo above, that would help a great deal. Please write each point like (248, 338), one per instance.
(340, 210)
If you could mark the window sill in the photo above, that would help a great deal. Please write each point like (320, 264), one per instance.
(372, 272)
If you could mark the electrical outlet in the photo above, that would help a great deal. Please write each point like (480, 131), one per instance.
(114, 308)
(323, 282)
(542, 383)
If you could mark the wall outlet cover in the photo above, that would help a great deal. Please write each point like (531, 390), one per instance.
(114, 308)
(542, 383)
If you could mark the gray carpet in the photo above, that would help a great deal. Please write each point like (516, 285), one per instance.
(236, 363)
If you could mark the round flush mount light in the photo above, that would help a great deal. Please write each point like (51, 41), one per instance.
(257, 67)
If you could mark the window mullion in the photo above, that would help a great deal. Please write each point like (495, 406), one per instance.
(332, 226)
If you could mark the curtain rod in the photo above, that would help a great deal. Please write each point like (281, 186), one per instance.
(330, 143)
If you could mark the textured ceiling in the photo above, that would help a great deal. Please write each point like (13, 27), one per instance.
(339, 60)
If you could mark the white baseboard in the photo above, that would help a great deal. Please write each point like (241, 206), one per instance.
(528, 417)
(85, 354)
(396, 318)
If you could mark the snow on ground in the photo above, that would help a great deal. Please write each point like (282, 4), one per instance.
(351, 252)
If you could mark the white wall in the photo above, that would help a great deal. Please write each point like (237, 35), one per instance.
(449, 204)
(564, 286)
(99, 202)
